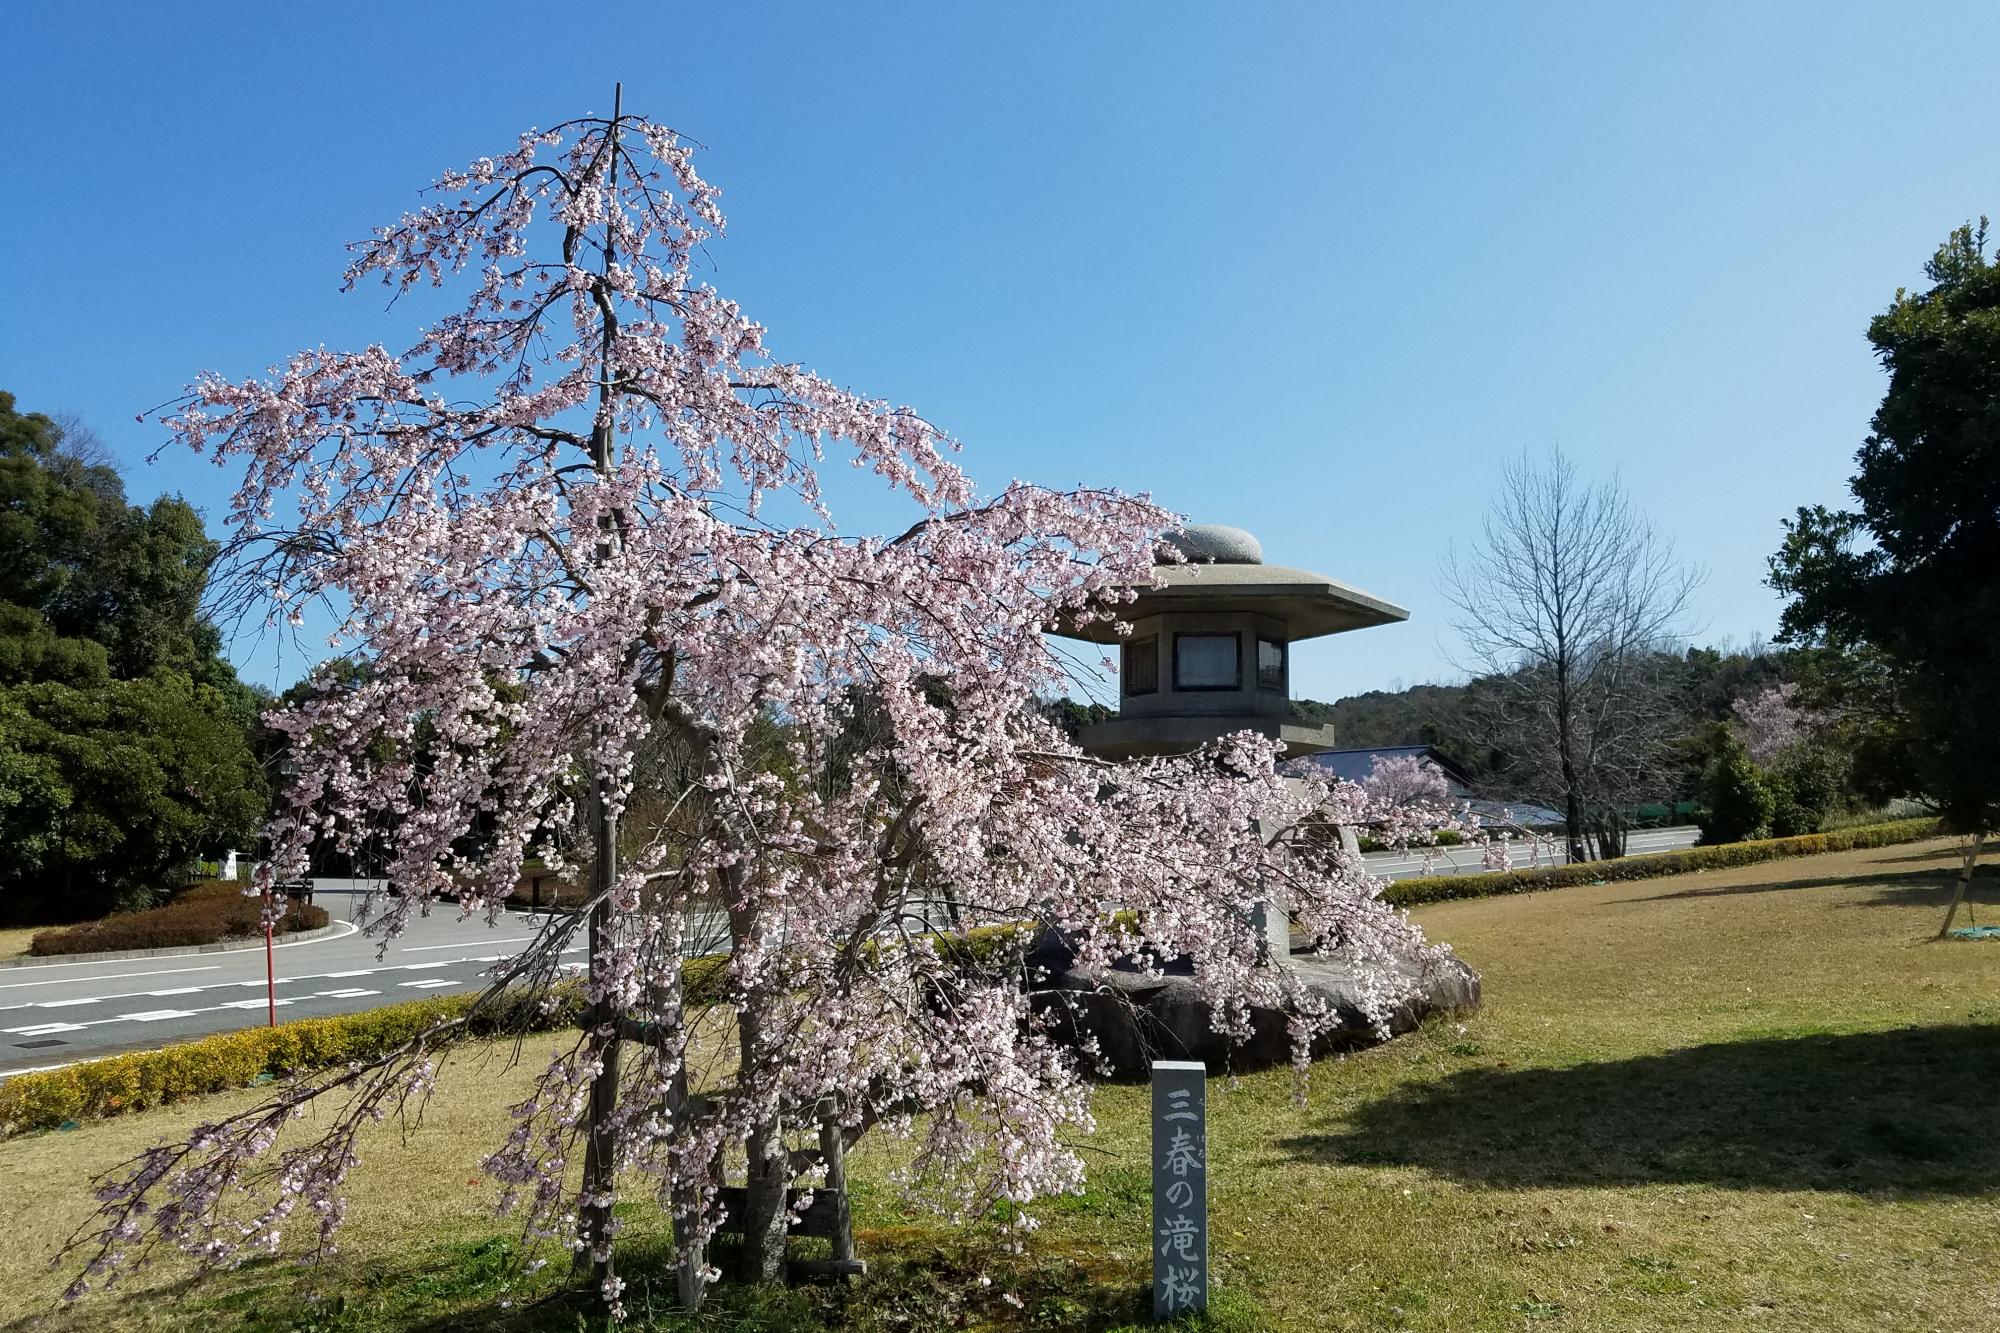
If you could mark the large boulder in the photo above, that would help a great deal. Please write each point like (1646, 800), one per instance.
(1138, 1015)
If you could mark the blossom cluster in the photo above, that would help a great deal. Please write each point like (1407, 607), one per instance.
(1772, 721)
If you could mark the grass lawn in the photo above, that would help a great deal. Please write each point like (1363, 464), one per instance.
(14, 943)
(1758, 1098)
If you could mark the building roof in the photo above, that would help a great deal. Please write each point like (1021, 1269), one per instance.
(1355, 765)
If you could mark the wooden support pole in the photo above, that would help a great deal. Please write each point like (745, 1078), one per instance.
(833, 1148)
(1964, 881)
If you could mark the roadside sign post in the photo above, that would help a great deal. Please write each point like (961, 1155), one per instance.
(270, 977)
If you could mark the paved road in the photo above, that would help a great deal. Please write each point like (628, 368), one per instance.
(53, 1014)
(1466, 860)
(57, 1013)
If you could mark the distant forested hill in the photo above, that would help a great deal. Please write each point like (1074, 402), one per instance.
(1447, 716)
(1438, 715)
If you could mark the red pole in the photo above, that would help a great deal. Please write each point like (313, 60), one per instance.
(270, 979)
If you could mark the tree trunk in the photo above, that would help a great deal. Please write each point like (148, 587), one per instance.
(765, 1217)
(765, 1220)
(600, 1161)
(1579, 846)
(1610, 837)
(1964, 881)
(687, 1198)
(1573, 829)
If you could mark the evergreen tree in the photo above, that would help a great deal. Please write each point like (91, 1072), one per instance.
(1736, 802)
(123, 731)
(1907, 583)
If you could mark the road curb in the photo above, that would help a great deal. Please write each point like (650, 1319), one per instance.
(180, 951)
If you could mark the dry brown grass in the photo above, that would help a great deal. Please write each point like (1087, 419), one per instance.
(14, 943)
(1749, 1099)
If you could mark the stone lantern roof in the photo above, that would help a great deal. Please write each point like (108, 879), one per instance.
(1208, 651)
(1225, 565)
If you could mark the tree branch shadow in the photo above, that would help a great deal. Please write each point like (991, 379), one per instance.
(1952, 857)
(1901, 1113)
(1901, 888)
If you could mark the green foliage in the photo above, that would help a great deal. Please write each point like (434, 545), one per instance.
(1808, 784)
(1073, 717)
(1907, 583)
(1450, 888)
(205, 914)
(1443, 716)
(1737, 804)
(93, 585)
(122, 729)
(106, 791)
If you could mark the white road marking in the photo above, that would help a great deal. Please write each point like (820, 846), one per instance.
(347, 994)
(259, 983)
(428, 982)
(155, 1015)
(44, 1029)
(426, 948)
(114, 976)
(250, 1004)
(351, 929)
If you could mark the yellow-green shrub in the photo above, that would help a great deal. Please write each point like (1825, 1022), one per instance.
(1444, 888)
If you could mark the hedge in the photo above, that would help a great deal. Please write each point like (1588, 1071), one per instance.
(145, 1079)
(1422, 889)
(206, 914)
(1445, 838)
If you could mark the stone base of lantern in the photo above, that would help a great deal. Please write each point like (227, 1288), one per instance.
(1137, 1019)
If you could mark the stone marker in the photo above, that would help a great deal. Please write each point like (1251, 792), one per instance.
(1180, 1187)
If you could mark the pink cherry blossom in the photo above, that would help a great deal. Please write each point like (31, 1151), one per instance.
(1772, 720)
(577, 544)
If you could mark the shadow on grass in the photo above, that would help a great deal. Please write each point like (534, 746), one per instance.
(1907, 1112)
(1899, 888)
(1953, 856)
(917, 1280)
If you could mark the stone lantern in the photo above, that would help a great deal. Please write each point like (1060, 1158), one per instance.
(1210, 649)
(1209, 653)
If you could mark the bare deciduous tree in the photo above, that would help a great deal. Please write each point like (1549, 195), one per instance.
(1566, 605)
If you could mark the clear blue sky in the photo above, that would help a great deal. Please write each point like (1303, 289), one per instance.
(1312, 269)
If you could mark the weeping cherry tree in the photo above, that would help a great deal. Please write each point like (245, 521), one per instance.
(577, 544)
